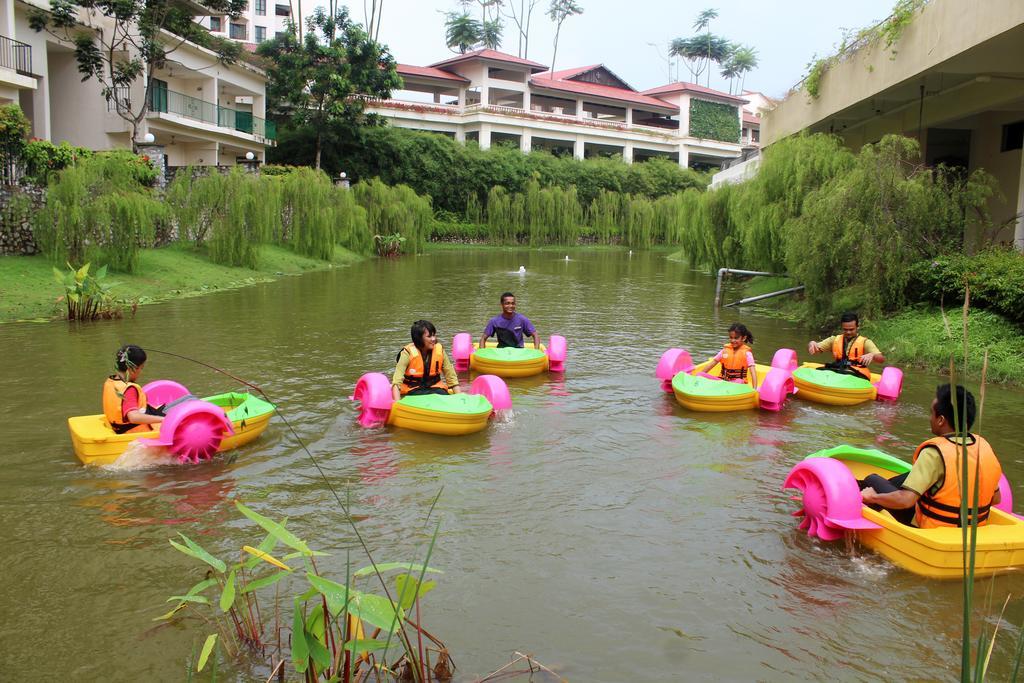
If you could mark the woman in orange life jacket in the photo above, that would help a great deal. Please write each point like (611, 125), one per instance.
(124, 402)
(423, 367)
(852, 352)
(929, 495)
(736, 358)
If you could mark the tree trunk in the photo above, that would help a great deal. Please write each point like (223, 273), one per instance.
(319, 143)
(554, 55)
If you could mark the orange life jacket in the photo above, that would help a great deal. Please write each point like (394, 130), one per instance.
(417, 376)
(734, 362)
(941, 508)
(851, 353)
(113, 401)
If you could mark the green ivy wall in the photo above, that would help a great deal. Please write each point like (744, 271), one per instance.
(714, 121)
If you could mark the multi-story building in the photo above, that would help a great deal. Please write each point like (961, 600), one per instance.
(202, 112)
(492, 97)
(954, 80)
(261, 20)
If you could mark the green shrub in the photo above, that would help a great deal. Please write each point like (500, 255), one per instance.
(43, 159)
(996, 279)
(14, 129)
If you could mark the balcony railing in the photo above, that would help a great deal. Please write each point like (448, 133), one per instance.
(170, 102)
(16, 55)
(518, 112)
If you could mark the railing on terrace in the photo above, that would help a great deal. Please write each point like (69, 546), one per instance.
(16, 55)
(517, 112)
(169, 102)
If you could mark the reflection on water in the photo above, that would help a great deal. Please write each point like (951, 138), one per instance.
(598, 526)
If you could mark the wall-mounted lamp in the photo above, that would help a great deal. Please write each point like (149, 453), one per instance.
(149, 138)
(250, 156)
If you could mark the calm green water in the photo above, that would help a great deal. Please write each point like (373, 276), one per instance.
(603, 529)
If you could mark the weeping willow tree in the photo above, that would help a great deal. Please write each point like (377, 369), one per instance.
(102, 207)
(605, 215)
(395, 210)
(308, 200)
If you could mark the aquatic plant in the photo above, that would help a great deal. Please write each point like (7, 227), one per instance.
(395, 210)
(335, 630)
(389, 246)
(87, 295)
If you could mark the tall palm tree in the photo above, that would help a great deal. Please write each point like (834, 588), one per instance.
(703, 23)
(558, 12)
(462, 31)
(743, 59)
(490, 33)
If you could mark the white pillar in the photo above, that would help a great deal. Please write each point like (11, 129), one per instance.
(579, 109)
(526, 142)
(1018, 230)
(437, 97)
(684, 116)
(460, 134)
(684, 156)
(627, 152)
(629, 116)
(485, 136)
(462, 98)
(526, 100)
(578, 148)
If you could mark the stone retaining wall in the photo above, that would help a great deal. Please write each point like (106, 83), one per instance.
(18, 203)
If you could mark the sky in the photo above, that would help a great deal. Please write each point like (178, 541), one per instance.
(786, 34)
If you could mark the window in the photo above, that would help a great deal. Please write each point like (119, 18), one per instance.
(282, 10)
(238, 32)
(755, 134)
(1013, 137)
(278, 34)
(261, 7)
(215, 25)
(261, 34)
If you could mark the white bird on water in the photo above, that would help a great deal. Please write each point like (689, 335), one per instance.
(522, 270)
(567, 257)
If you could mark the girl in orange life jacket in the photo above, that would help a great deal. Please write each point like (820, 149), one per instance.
(124, 402)
(929, 495)
(423, 367)
(736, 358)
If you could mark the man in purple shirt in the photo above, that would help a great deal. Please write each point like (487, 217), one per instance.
(509, 327)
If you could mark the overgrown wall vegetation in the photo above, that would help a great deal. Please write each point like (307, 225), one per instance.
(714, 121)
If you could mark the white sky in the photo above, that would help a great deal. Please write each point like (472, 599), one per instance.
(786, 34)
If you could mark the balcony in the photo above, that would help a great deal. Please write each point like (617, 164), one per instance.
(166, 101)
(456, 112)
(16, 56)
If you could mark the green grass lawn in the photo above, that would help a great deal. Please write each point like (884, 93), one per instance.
(28, 290)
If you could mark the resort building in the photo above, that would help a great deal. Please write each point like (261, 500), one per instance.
(495, 98)
(954, 80)
(261, 20)
(201, 112)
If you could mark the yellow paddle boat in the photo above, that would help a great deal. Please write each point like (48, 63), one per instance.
(193, 430)
(696, 390)
(832, 508)
(508, 361)
(449, 414)
(815, 382)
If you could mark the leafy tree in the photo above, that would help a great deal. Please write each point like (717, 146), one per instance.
(120, 43)
(322, 82)
(559, 11)
(701, 51)
(490, 33)
(462, 31)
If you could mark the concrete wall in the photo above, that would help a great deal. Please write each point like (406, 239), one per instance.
(986, 139)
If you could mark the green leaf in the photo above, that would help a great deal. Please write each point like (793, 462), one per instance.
(82, 273)
(315, 622)
(227, 598)
(266, 545)
(199, 599)
(163, 617)
(336, 594)
(320, 653)
(388, 566)
(365, 645)
(101, 273)
(300, 648)
(408, 588)
(277, 530)
(311, 553)
(201, 586)
(211, 640)
(257, 584)
(58, 276)
(375, 610)
(195, 550)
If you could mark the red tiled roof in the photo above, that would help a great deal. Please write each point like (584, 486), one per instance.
(751, 118)
(429, 72)
(692, 88)
(493, 55)
(545, 80)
